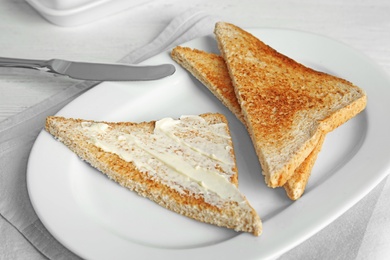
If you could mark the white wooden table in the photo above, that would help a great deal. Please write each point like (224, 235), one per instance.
(364, 25)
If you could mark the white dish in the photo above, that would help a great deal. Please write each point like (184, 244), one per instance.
(78, 12)
(97, 219)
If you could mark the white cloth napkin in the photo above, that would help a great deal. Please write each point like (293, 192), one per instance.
(360, 233)
(355, 235)
(18, 133)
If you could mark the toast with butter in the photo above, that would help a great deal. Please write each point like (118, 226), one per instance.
(186, 165)
(287, 106)
(210, 69)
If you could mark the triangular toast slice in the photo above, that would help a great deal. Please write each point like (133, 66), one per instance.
(186, 165)
(287, 106)
(211, 70)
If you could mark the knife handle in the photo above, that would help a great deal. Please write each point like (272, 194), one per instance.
(22, 63)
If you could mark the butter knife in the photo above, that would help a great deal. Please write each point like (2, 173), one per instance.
(93, 71)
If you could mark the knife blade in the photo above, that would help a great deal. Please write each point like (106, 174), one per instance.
(93, 71)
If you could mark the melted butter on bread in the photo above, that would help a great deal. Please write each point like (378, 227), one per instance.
(151, 178)
(186, 154)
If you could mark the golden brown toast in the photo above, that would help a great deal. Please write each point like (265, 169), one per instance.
(185, 165)
(211, 70)
(287, 107)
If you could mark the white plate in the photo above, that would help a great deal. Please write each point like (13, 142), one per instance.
(97, 219)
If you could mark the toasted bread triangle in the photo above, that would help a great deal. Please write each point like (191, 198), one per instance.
(287, 106)
(129, 163)
(211, 70)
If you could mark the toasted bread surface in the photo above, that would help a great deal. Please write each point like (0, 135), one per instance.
(287, 106)
(211, 70)
(230, 214)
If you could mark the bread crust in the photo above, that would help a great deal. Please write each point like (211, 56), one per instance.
(231, 215)
(287, 106)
